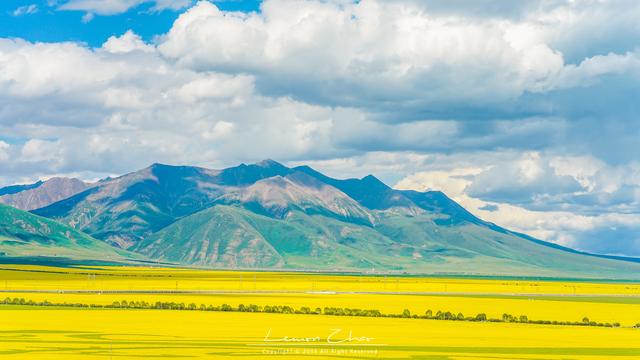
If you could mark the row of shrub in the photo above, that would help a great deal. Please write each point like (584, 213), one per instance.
(335, 311)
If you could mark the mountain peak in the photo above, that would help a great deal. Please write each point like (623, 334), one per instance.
(158, 165)
(62, 180)
(269, 163)
(248, 174)
(371, 180)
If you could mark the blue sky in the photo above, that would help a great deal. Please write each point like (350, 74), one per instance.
(48, 22)
(525, 112)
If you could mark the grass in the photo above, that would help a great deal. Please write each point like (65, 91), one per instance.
(23, 234)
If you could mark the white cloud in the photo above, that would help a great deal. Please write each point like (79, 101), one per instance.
(387, 165)
(452, 183)
(125, 106)
(38, 150)
(388, 50)
(608, 200)
(171, 4)
(218, 131)
(216, 86)
(590, 70)
(4, 151)
(87, 17)
(395, 55)
(528, 179)
(101, 7)
(42, 69)
(25, 10)
(112, 7)
(127, 42)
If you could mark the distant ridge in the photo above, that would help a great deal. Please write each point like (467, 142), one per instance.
(13, 189)
(41, 193)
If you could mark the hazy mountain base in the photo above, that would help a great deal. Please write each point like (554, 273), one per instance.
(232, 237)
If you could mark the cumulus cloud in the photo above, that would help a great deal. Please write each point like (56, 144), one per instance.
(524, 112)
(123, 106)
(568, 200)
(528, 180)
(403, 60)
(387, 53)
(127, 42)
(4, 147)
(38, 150)
(582, 185)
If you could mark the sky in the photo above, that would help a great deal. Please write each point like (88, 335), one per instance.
(525, 112)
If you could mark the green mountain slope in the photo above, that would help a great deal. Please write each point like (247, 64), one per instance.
(231, 236)
(124, 210)
(24, 234)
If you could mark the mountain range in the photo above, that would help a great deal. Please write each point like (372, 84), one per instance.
(267, 215)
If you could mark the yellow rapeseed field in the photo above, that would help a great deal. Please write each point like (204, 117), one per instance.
(140, 278)
(132, 334)
(36, 332)
(564, 309)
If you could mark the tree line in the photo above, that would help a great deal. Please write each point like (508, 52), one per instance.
(331, 311)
